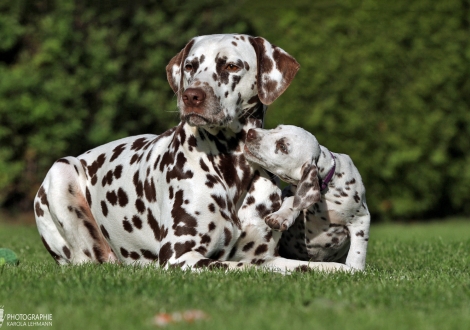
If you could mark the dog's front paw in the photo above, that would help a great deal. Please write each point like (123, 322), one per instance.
(277, 221)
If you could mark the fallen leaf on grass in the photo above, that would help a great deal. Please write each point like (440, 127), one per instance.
(189, 316)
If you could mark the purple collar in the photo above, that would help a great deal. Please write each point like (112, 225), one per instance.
(329, 176)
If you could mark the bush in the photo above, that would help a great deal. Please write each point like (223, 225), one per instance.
(387, 84)
(76, 74)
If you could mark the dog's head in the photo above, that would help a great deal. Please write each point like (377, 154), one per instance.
(217, 78)
(291, 153)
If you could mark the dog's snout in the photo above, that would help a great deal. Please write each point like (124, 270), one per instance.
(194, 97)
(251, 135)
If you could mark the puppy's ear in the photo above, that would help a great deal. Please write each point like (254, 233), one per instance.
(174, 67)
(276, 69)
(308, 189)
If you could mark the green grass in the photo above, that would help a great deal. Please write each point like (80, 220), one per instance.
(417, 278)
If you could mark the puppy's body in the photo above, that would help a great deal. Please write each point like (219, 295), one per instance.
(322, 220)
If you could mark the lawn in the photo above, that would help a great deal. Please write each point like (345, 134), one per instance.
(417, 277)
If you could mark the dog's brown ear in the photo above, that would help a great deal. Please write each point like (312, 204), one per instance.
(276, 69)
(174, 67)
(308, 189)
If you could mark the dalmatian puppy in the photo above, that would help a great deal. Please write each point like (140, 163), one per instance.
(327, 191)
(182, 198)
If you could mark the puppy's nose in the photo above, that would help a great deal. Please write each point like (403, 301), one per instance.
(194, 97)
(251, 135)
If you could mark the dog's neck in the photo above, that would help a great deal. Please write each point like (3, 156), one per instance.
(325, 163)
(250, 118)
(233, 135)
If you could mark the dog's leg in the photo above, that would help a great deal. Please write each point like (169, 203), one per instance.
(64, 219)
(194, 261)
(359, 231)
(283, 218)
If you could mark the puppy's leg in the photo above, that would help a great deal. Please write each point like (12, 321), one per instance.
(283, 218)
(359, 231)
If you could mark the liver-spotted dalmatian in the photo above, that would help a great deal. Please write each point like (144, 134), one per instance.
(188, 197)
(327, 191)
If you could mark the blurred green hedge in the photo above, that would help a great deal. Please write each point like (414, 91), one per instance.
(76, 74)
(387, 84)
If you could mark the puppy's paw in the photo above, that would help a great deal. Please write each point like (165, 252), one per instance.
(278, 221)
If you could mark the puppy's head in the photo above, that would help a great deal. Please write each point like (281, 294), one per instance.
(291, 153)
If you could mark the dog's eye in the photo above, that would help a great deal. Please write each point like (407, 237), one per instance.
(188, 67)
(281, 146)
(231, 67)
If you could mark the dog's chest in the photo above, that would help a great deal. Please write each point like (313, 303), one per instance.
(147, 189)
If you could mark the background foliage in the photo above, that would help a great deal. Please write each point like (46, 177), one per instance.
(386, 83)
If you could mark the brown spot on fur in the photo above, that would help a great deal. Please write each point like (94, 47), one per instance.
(96, 165)
(262, 210)
(211, 207)
(139, 144)
(202, 250)
(159, 232)
(261, 249)
(150, 191)
(149, 255)
(124, 252)
(122, 197)
(117, 151)
(356, 197)
(66, 252)
(140, 206)
(165, 254)
(248, 246)
(203, 263)
(211, 226)
(43, 196)
(180, 216)
(104, 208)
(104, 231)
(118, 171)
(138, 185)
(98, 254)
(127, 225)
(203, 166)
(62, 160)
(38, 210)
(137, 222)
(220, 201)
(88, 196)
(205, 239)
(48, 248)
(228, 236)
(182, 248)
(232, 252)
(302, 269)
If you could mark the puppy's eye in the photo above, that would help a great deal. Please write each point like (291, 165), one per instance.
(188, 67)
(231, 67)
(281, 146)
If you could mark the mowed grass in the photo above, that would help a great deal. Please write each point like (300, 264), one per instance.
(417, 277)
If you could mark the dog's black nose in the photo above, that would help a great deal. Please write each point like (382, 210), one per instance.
(251, 135)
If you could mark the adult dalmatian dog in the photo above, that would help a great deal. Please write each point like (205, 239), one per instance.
(327, 191)
(188, 197)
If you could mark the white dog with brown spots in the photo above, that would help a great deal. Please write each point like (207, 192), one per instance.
(185, 198)
(327, 192)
